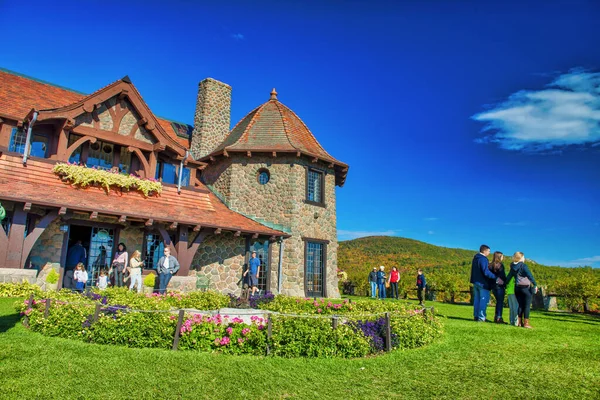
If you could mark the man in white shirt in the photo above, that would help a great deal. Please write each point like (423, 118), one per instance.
(167, 266)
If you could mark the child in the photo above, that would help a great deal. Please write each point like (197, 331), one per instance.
(80, 277)
(421, 283)
(102, 280)
(135, 271)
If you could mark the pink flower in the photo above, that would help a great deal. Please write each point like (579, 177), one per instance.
(225, 341)
(245, 331)
(229, 330)
(240, 340)
(261, 327)
(319, 310)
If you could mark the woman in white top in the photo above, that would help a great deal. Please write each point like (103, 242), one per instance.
(135, 270)
(120, 263)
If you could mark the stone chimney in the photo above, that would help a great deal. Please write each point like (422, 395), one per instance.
(213, 117)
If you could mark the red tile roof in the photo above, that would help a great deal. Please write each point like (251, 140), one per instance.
(273, 127)
(37, 184)
(19, 94)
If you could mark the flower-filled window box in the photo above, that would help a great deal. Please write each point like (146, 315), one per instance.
(83, 177)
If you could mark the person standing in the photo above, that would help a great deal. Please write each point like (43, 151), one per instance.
(120, 263)
(135, 270)
(80, 276)
(254, 270)
(75, 255)
(393, 281)
(497, 269)
(167, 266)
(373, 282)
(480, 278)
(381, 282)
(421, 284)
(513, 304)
(523, 281)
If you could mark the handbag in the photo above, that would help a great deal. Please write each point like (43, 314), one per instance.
(522, 281)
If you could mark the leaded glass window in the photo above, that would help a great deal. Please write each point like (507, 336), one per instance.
(314, 186)
(315, 269)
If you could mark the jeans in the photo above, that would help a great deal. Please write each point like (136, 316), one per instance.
(373, 289)
(119, 269)
(163, 282)
(524, 299)
(481, 298)
(381, 287)
(513, 305)
(136, 279)
(394, 286)
(499, 296)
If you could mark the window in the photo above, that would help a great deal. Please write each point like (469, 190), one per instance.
(314, 186)
(168, 173)
(262, 253)
(124, 160)
(75, 157)
(314, 262)
(152, 249)
(100, 155)
(263, 176)
(17, 141)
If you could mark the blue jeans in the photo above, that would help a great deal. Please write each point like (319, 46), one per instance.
(373, 289)
(481, 298)
(381, 287)
(163, 282)
(499, 296)
(513, 305)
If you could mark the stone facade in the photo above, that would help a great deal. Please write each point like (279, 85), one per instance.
(212, 117)
(48, 248)
(281, 204)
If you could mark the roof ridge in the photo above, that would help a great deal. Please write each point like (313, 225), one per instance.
(8, 71)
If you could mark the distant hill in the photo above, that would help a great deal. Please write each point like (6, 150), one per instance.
(357, 257)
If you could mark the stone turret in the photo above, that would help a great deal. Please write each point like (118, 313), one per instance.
(212, 118)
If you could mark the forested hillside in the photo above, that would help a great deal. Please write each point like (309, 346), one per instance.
(446, 269)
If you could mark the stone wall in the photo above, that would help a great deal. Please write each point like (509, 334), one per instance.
(221, 258)
(280, 204)
(212, 118)
(48, 247)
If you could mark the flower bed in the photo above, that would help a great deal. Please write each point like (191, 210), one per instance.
(82, 176)
(120, 317)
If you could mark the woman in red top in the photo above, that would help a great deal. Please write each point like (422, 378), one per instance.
(393, 281)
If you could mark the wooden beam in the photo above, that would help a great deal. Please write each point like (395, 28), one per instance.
(27, 207)
(225, 153)
(150, 222)
(142, 121)
(298, 154)
(62, 211)
(273, 238)
(237, 233)
(173, 225)
(255, 236)
(331, 165)
(124, 93)
(122, 218)
(94, 215)
(315, 159)
(218, 231)
(274, 154)
(249, 153)
(34, 235)
(197, 228)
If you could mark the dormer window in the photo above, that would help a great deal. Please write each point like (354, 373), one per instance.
(168, 173)
(38, 145)
(315, 187)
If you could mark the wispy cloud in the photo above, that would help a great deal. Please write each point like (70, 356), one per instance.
(348, 235)
(430, 232)
(593, 261)
(518, 223)
(430, 219)
(566, 112)
(237, 36)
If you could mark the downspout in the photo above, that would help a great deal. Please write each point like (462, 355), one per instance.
(279, 269)
(28, 139)
(181, 171)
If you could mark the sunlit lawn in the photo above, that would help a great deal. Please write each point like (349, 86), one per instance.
(558, 359)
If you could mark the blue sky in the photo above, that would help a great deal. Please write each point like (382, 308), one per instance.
(462, 122)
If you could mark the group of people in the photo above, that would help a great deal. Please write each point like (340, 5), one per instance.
(122, 268)
(519, 285)
(379, 283)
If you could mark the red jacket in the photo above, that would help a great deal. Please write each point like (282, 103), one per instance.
(394, 276)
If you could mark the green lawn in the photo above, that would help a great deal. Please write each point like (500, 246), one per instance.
(558, 359)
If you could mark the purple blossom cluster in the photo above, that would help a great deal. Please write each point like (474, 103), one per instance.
(253, 301)
(374, 330)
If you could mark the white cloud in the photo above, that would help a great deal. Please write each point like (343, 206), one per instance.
(519, 223)
(585, 260)
(430, 232)
(237, 36)
(567, 112)
(430, 219)
(593, 261)
(349, 235)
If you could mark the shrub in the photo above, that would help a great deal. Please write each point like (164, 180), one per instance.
(150, 280)
(24, 289)
(579, 288)
(52, 276)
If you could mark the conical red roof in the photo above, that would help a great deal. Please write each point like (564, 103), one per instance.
(273, 127)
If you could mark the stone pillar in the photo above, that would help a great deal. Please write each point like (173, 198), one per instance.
(213, 117)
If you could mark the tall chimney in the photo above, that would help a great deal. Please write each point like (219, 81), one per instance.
(213, 117)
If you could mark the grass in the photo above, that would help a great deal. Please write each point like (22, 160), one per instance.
(559, 359)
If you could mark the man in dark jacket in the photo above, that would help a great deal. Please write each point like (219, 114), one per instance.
(480, 278)
(167, 266)
(373, 282)
(75, 255)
